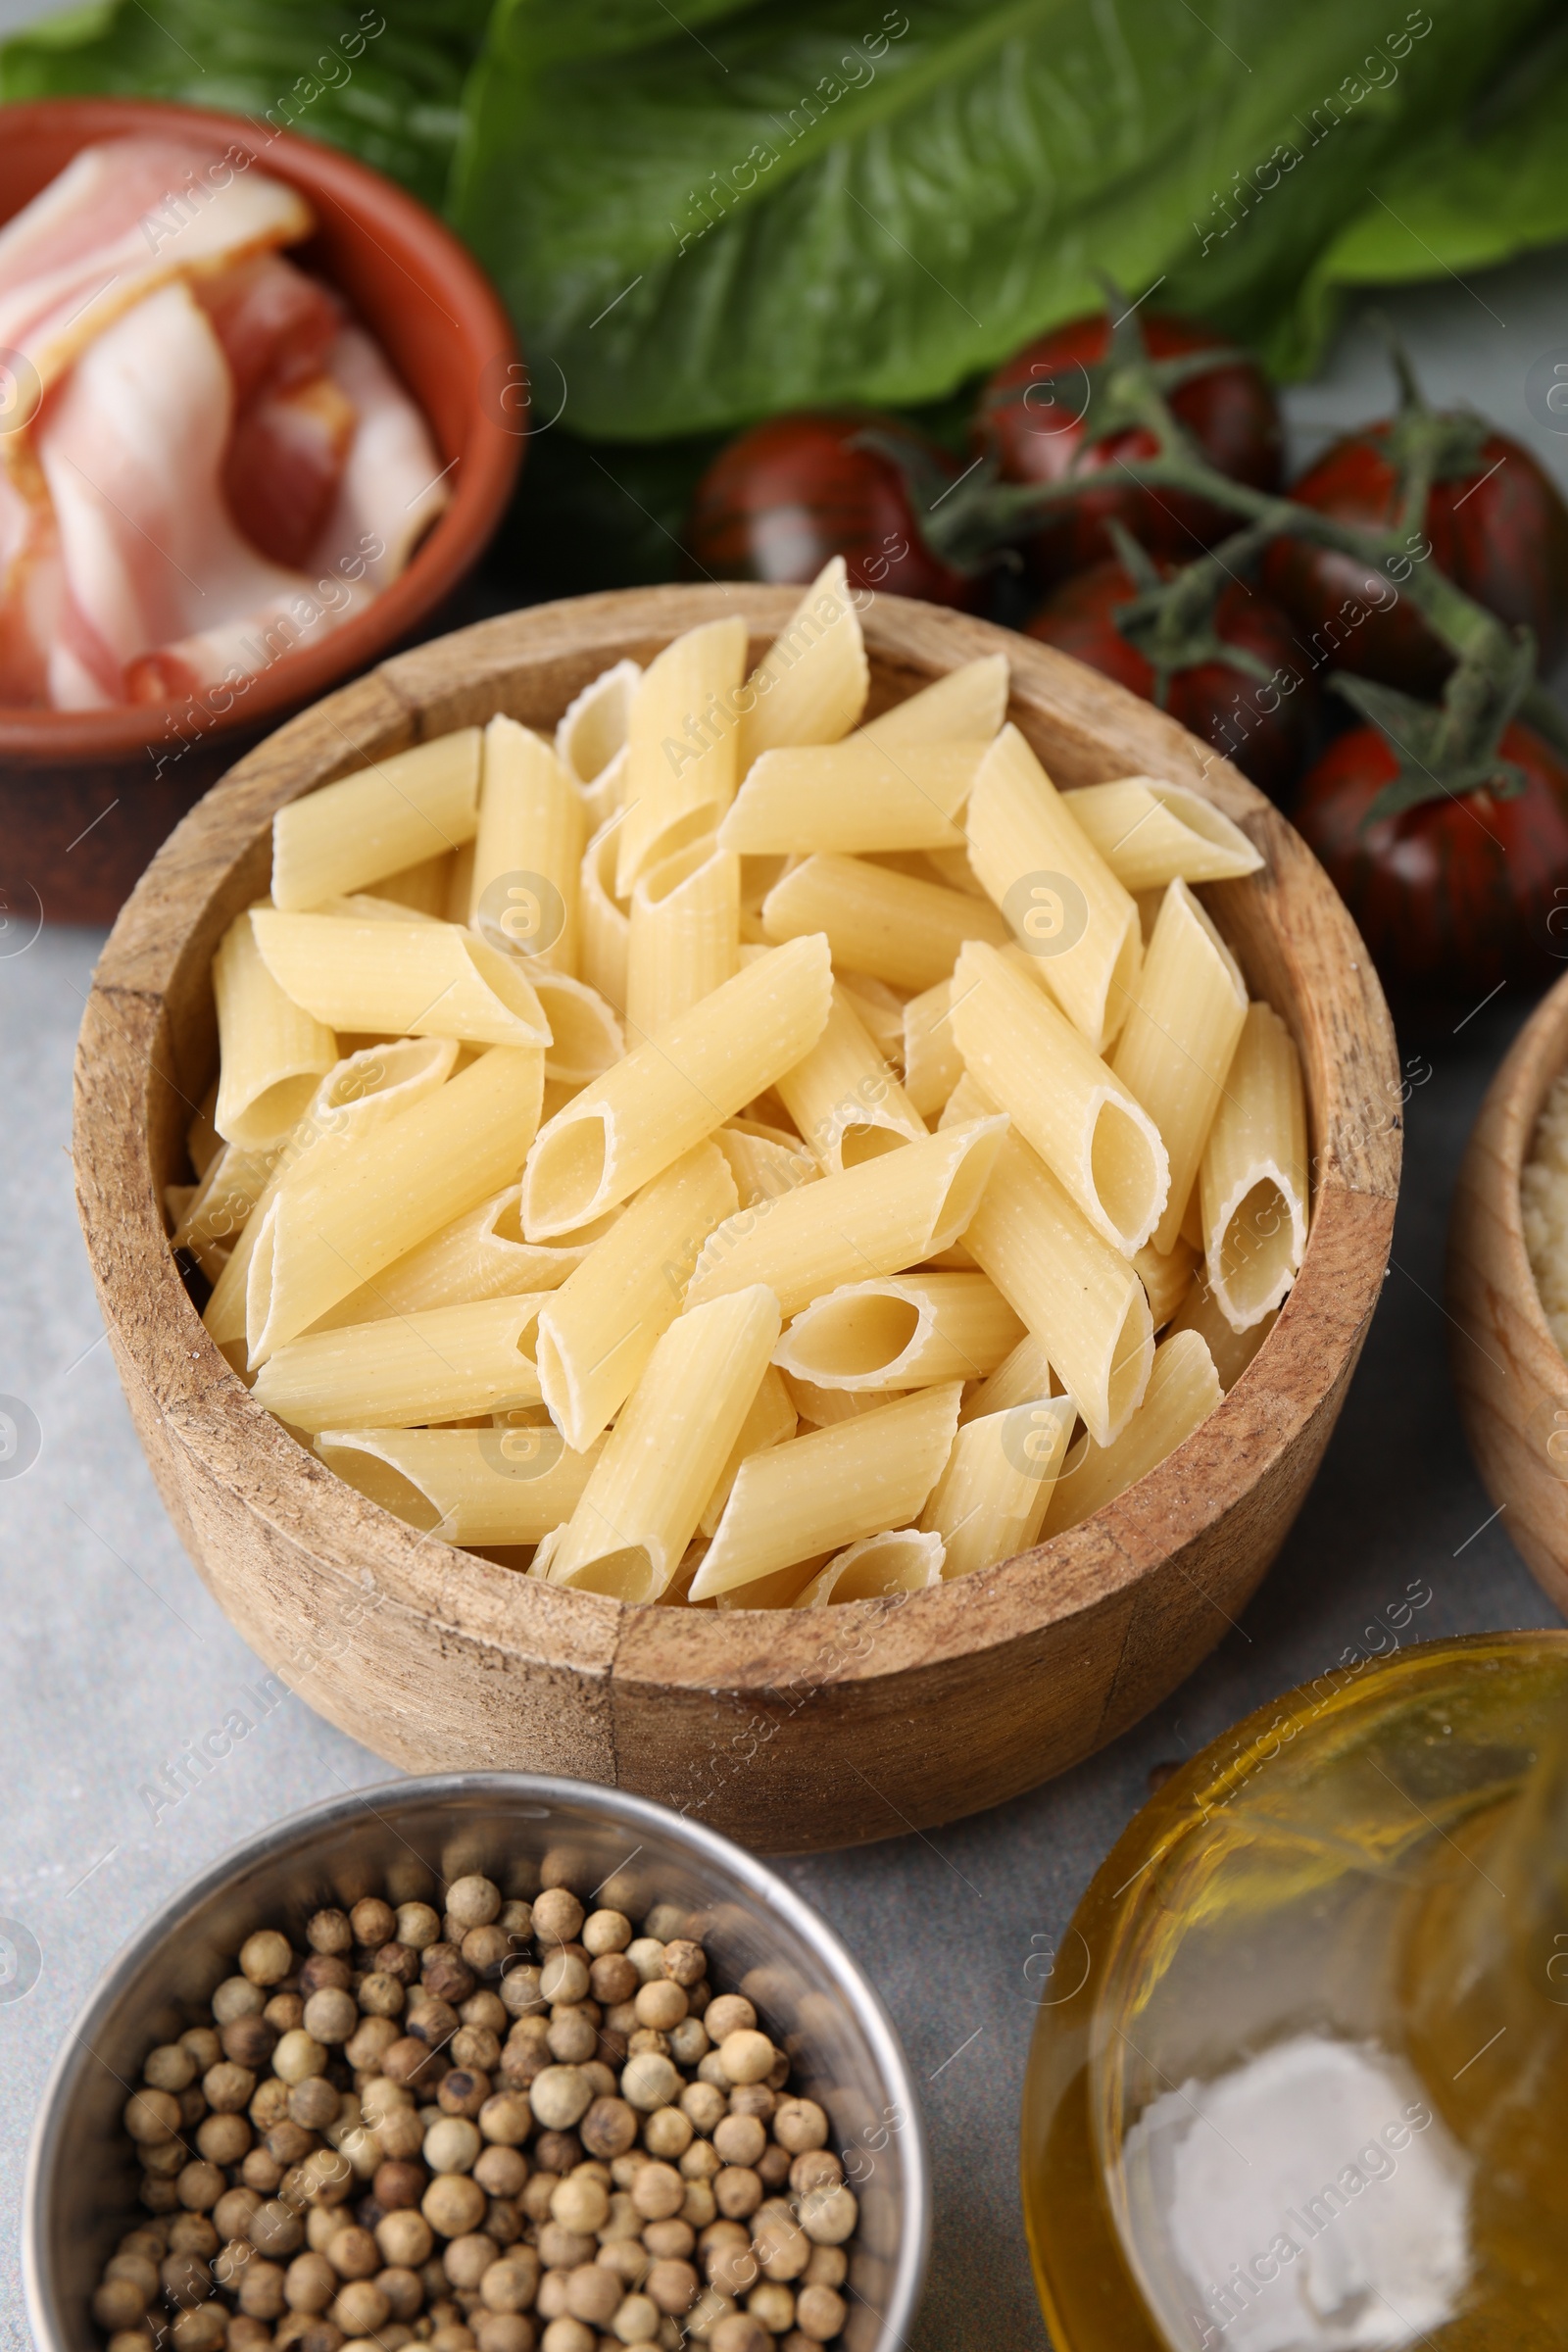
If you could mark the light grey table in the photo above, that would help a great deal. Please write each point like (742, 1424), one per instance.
(114, 1658)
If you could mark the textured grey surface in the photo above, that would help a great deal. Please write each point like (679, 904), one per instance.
(114, 1659)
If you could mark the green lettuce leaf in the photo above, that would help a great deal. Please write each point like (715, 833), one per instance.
(809, 201)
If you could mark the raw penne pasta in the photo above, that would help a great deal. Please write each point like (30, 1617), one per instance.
(459, 885)
(330, 1227)
(442, 1365)
(842, 1098)
(586, 1039)
(591, 735)
(216, 1209)
(953, 868)
(852, 796)
(364, 906)
(529, 850)
(1064, 904)
(932, 1062)
(1231, 1351)
(481, 1254)
(682, 743)
(671, 1092)
(968, 1101)
(422, 889)
(1079, 1297)
(889, 1213)
(1254, 1196)
(1176, 1046)
(811, 686)
(817, 1492)
(876, 921)
(399, 979)
(880, 1010)
(1023, 1377)
(273, 1052)
(1148, 904)
(1150, 833)
(472, 1486)
(968, 705)
(763, 1162)
(991, 1500)
(605, 919)
(771, 1419)
(903, 1561)
(598, 1331)
(1165, 1275)
(902, 1331)
(824, 1408)
(1183, 1391)
(780, 1590)
(665, 1455)
(399, 812)
(203, 1143)
(1097, 1138)
(685, 935)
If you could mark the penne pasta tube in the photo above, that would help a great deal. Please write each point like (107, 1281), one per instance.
(780, 1590)
(967, 1100)
(685, 935)
(932, 1062)
(953, 868)
(598, 1331)
(399, 812)
(811, 686)
(272, 1052)
(1254, 1196)
(879, 1008)
(887, 924)
(481, 1254)
(669, 1094)
(363, 906)
(1165, 1275)
(1065, 905)
(1079, 1297)
(879, 1218)
(1231, 1351)
(1183, 1391)
(216, 1209)
(903, 1332)
(681, 745)
(852, 796)
(823, 1409)
(527, 853)
(399, 979)
(203, 1143)
(841, 1098)
(1150, 833)
(1175, 1049)
(1097, 1138)
(442, 1365)
(423, 888)
(665, 1455)
(1148, 904)
(764, 1161)
(591, 735)
(334, 1222)
(771, 1419)
(585, 1037)
(472, 1485)
(991, 1500)
(603, 918)
(968, 705)
(460, 886)
(817, 1492)
(1023, 1376)
(903, 1561)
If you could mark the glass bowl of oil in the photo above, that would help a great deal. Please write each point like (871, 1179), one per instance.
(1300, 2080)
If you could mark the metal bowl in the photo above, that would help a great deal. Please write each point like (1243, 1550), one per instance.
(404, 1839)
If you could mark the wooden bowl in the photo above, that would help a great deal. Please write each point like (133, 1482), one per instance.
(86, 796)
(787, 1730)
(1508, 1368)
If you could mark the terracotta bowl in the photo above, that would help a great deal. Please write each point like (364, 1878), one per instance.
(83, 799)
(1508, 1368)
(788, 1731)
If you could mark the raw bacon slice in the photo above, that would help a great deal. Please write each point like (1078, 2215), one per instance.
(284, 464)
(121, 219)
(394, 484)
(133, 451)
(275, 324)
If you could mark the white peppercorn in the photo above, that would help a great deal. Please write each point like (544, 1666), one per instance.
(238, 1996)
(266, 1957)
(745, 2055)
(373, 1922)
(828, 2213)
(297, 2055)
(453, 2144)
(637, 2321)
(581, 2203)
(820, 2313)
(772, 2305)
(170, 2067)
(453, 2204)
(568, 2335)
(560, 2096)
(648, 2080)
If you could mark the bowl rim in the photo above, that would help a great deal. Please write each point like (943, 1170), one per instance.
(1348, 1047)
(1500, 1142)
(294, 1831)
(486, 468)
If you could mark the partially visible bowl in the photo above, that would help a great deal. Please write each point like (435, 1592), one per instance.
(1509, 1370)
(404, 1839)
(86, 796)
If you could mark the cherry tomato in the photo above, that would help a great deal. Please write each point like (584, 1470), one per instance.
(1494, 523)
(1459, 893)
(781, 499)
(1268, 730)
(1032, 417)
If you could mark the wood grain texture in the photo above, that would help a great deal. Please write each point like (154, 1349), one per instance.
(789, 1731)
(1508, 1368)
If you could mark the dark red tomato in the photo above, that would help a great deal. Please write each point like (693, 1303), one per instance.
(1268, 729)
(1031, 417)
(780, 500)
(1499, 528)
(1463, 891)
